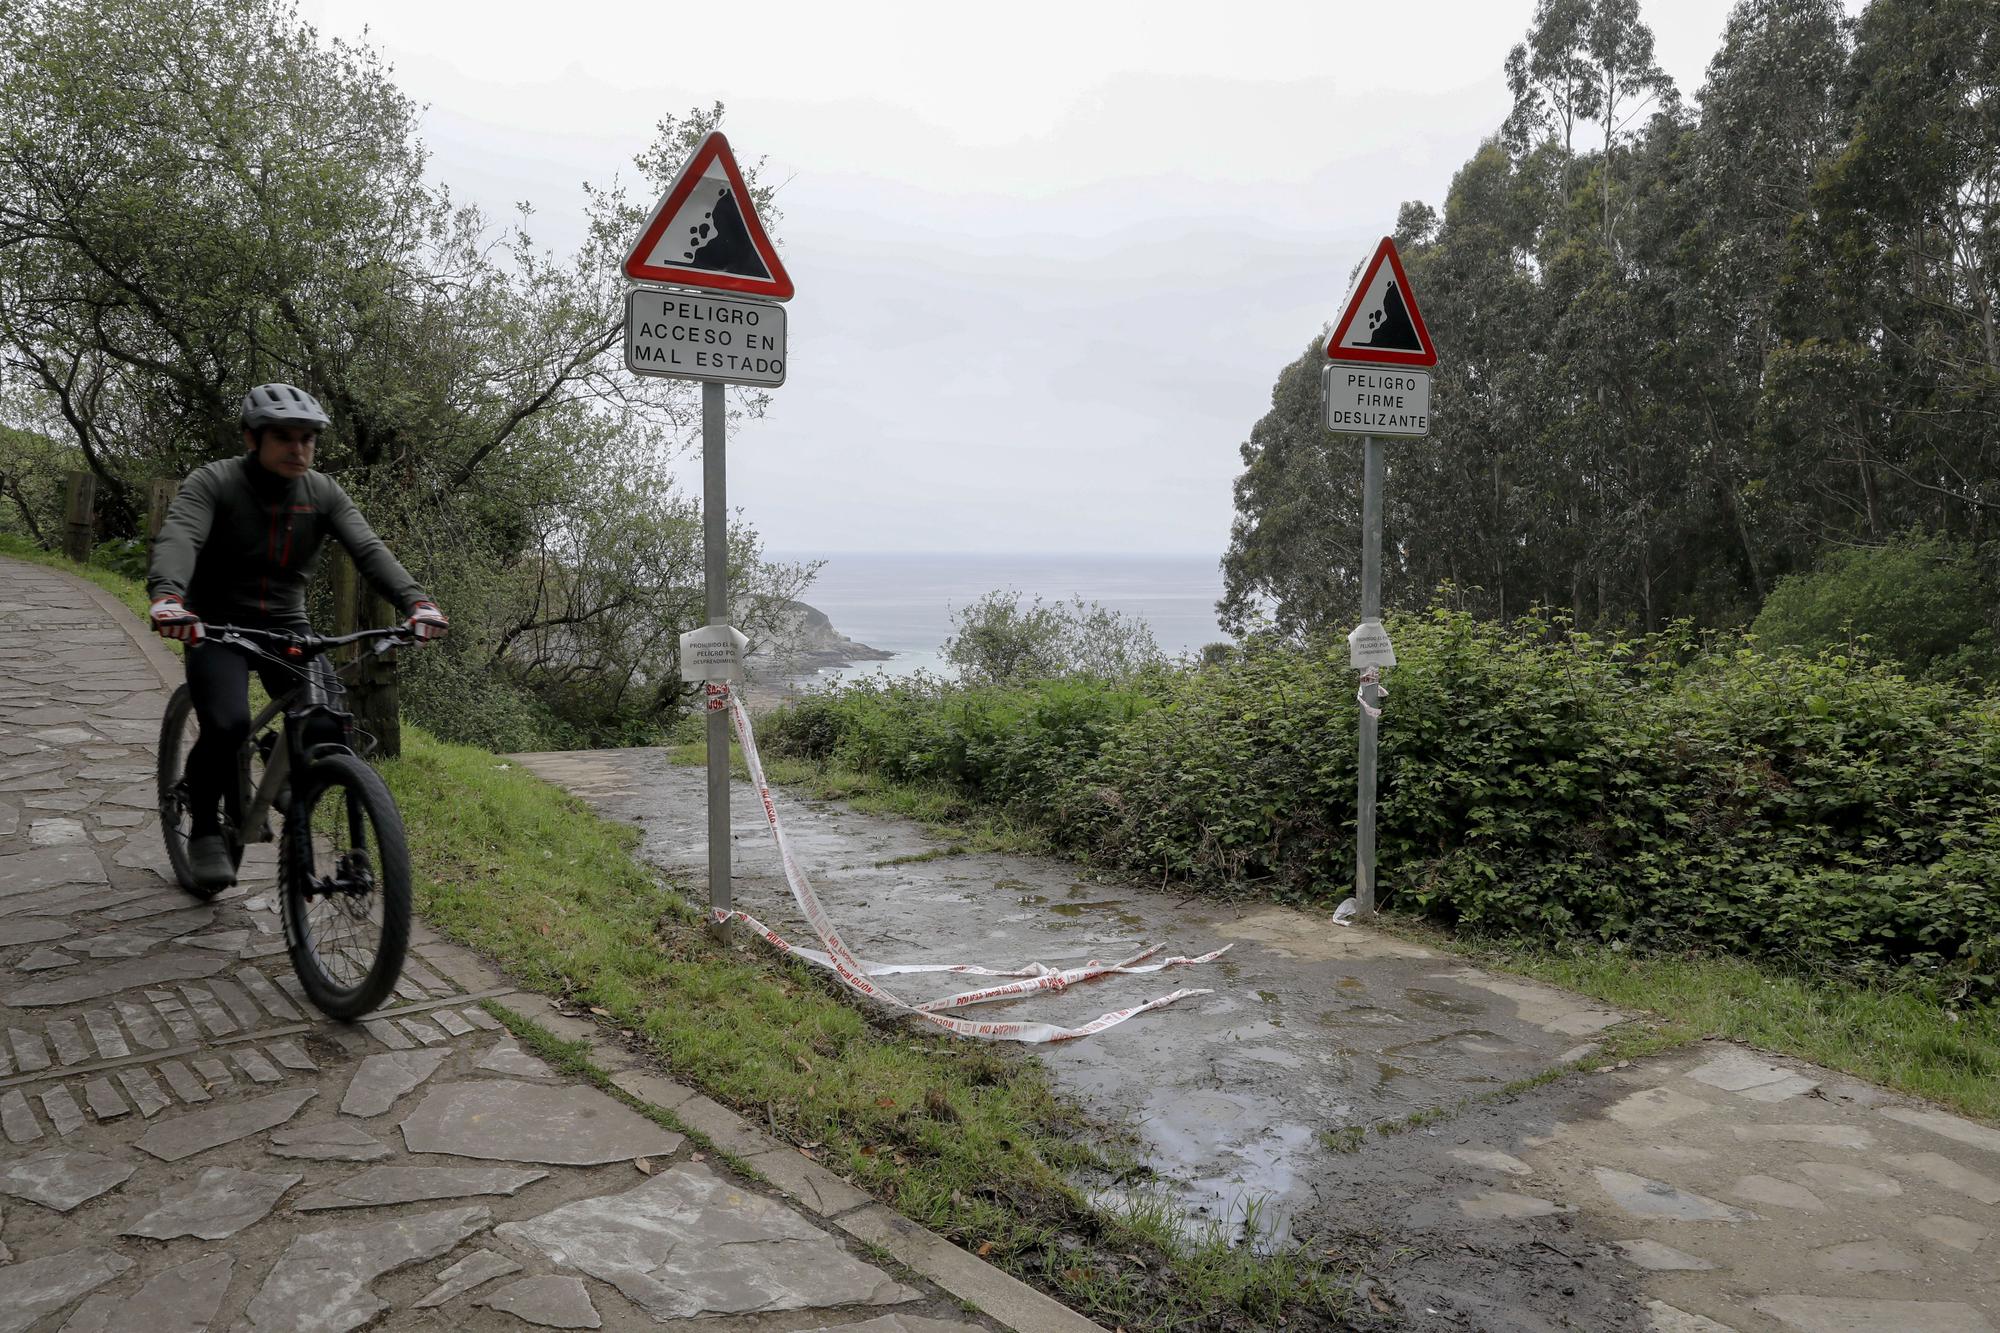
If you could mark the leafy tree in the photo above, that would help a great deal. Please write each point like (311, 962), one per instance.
(999, 639)
(201, 195)
(1886, 392)
(1555, 83)
(1292, 559)
(32, 468)
(1921, 599)
(1771, 115)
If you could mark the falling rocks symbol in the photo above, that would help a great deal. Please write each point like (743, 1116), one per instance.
(1382, 322)
(705, 233)
(722, 243)
(1390, 326)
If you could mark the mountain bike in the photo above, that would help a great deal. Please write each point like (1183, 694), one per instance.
(343, 866)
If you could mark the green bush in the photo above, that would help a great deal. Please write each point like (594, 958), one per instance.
(126, 557)
(1923, 600)
(1666, 791)
(1009, 746)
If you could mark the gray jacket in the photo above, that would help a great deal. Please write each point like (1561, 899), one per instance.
(239, 544)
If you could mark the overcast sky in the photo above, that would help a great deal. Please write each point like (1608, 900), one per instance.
(1049, 257)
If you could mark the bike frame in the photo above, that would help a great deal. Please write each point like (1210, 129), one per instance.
(311, 693)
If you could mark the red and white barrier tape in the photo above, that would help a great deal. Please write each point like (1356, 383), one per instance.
(858, 976)
(1371, 676)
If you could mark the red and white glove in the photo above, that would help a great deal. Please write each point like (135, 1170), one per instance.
(427, 622)
(171, 620)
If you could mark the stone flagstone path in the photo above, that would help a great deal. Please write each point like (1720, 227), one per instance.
(185, 1144)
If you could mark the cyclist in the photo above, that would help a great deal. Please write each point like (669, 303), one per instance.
(238, 547)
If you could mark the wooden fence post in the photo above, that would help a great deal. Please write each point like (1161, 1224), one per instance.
(80, 516)
(373, 696)
(164, 489)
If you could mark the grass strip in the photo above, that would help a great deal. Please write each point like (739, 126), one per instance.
(967, 1140)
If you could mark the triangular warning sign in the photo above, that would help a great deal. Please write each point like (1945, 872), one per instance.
(1382, 323)
(705, 232)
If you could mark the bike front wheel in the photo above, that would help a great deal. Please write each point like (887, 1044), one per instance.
(346, 886)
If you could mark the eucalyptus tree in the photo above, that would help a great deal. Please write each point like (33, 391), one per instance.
(1293, 563)
(1772, 117)
(1685, 350)
(1886, 391)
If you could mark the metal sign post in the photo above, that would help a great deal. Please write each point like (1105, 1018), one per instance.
(705, 237)
(1370, 692)
(1377, 382)
(715, 579)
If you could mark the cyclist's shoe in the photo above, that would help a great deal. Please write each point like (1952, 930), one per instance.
(211, 863)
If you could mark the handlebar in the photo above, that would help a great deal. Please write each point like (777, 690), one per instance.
(296, 648)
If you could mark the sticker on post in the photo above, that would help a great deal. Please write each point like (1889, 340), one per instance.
(713, 652)
(1368, 646)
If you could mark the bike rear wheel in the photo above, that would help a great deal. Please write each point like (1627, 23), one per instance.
(346, 872)
(179, 730)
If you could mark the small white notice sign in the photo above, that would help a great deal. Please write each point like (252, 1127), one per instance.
(1377, 400)
(713, 652)
(1368, 646)
(696, 336)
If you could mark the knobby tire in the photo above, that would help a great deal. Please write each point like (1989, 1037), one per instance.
(356, 789)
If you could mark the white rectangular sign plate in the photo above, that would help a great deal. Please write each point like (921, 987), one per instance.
(698, 336)
(1376, 400)
(713, 652)
(1368, 646)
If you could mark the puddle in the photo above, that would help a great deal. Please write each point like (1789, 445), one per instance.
(1474, 1041)
(1232, 1160)
(1444, 1004)
(1078, 909)
(1109, 907)
(1368, 1015)
(1270, 1055)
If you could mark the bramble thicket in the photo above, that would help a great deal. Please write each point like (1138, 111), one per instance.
(1669, 790)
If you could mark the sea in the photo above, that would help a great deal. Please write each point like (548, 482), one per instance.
(903, 602)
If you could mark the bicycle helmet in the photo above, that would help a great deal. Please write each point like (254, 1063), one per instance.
(281, 404)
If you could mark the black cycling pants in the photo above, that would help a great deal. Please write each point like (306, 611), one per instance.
(218, 678)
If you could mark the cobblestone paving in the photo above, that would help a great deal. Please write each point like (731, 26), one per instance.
(185, 1144)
